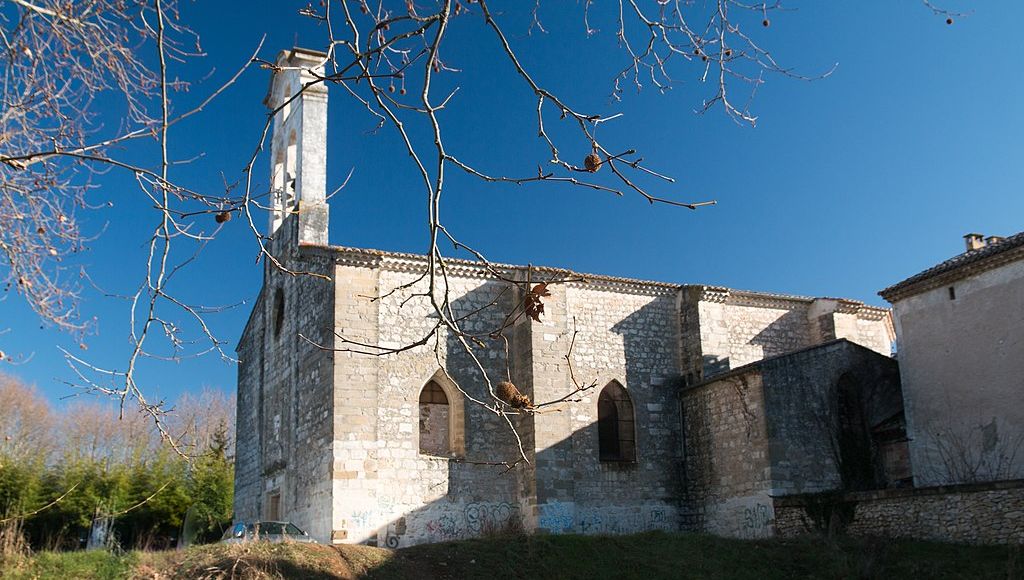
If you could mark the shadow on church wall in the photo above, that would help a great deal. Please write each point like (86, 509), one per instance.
(788, 333)
(578, 493)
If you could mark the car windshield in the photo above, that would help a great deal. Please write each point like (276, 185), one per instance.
(234, 532)
(279, 529)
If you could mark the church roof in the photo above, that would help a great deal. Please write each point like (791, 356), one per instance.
(758, 365)
(415, 262)
(403, 261)
(992, 255)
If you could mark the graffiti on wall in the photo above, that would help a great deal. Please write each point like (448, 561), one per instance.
(490, 516)
(747, 517)
(443, 528)
(437, 523)
(757, 520)
(450, 522)
(557, 517)
(394, 533)
(369, 520)
(566, 517)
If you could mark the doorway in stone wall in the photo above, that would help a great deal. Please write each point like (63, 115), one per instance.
(273, 511)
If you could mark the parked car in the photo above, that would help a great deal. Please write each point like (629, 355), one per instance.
(266, 532)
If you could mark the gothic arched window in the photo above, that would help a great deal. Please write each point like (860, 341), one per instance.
(442, 418)
(615, 430)
(435, 421)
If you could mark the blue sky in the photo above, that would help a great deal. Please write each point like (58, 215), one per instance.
(847, 184)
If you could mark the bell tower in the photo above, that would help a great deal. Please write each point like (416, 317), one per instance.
(298, 150)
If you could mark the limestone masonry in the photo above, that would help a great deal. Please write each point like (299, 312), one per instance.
(961, 328)
(979, 513)
(699, 418)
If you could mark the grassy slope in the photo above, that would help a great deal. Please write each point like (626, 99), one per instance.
(659, 555)
(68, 565)
(644, 556)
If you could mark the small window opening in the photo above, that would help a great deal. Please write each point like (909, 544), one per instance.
(278, 312)
(435, 421)
(615, 428)
(952, 293)
(278, 176)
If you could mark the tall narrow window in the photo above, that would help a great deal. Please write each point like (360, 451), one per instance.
(277, 193)
(278, 311)
(615, 430)
(291, 162)
(435, 421)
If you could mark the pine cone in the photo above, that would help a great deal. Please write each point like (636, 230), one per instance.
(510, 394)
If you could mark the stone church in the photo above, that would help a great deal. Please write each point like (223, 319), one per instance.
(710, 402)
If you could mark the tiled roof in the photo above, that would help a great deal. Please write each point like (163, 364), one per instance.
(982, 258)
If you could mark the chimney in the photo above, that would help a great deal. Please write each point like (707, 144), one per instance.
(993, 240)
(974, 241)
(299, 146)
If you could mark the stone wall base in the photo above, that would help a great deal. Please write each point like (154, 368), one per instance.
(980, 513)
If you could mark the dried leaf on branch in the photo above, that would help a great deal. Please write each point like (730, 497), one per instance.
(532, 304)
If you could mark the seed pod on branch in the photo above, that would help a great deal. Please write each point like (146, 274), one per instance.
(510, 394)
(592, 162)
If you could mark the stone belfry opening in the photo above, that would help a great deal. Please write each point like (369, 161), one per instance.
(298, 150)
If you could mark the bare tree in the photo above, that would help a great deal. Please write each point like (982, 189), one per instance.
(25, 422)
(58, 57)
(971, 450)
(391, 57)
(199, 419)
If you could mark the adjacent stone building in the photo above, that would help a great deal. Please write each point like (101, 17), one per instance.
(823, 418)
(960, 326)
(355, 447)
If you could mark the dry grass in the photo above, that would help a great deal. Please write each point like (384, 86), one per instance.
(14, 549)
(261, 561)
(511, 555)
